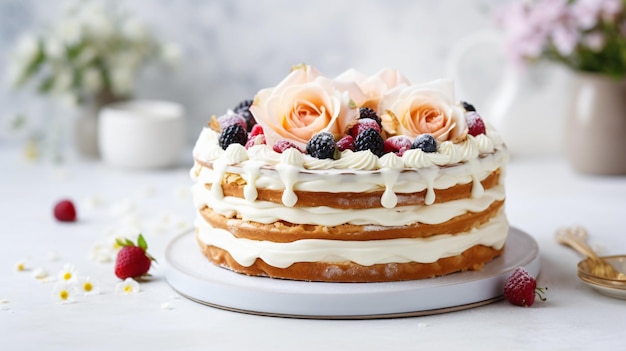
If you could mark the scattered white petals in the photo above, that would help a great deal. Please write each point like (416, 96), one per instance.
(64, 292)
(40, 273)
(121, 208)
(175, 297)
(127, 287)
(68, 274)
(103, 252)
(4, 307)
(4, 301)
(147, 191)
(92, 202)
(54, 256)
(182, 192)
(423, 325)
(167, 306)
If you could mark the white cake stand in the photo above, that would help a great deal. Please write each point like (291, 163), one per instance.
(193, 276)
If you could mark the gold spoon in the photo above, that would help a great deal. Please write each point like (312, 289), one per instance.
(576, 238)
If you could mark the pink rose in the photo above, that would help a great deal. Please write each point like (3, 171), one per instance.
(424, 108)
(304, 104)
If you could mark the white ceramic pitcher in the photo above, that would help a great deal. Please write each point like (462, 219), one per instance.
(526, 105)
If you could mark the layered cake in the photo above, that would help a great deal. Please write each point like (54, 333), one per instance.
(350, 179)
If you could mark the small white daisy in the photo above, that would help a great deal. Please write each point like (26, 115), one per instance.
(21, 266)
(127, 287)
(68, 274)
(86, 286)
(64, 292)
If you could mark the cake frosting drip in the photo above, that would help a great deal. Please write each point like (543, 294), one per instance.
(472, 161)
(423, 250)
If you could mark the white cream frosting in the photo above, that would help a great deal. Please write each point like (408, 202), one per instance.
(424, 250)
(268, 212)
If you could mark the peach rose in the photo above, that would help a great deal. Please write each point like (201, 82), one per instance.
(376, 86)
(424, 108)
(304, 104)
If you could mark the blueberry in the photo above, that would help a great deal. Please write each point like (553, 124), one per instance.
(425, 142)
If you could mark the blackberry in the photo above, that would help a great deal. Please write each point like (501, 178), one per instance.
(322, 145)
(425, 142)
(243, 109)
(366, 112)
(371, 140)
(468, 107)
(233, 134)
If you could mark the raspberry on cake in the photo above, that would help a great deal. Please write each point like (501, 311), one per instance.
(419, 197)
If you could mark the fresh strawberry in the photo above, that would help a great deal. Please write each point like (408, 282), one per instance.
(256, 130)
(281, 145)
(346, 143)
(397, 144)
(132, 260)
(64, 211)
(475, 123)
(362, 125)
(520, 288)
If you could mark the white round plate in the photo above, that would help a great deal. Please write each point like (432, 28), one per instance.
(195, 277)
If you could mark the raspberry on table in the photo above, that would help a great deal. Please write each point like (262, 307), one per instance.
(520, 288)
(322, 145)
(475, 124)
(233, 134)
(425, 142)
(370, 139)
(64, 211)
(243, 109)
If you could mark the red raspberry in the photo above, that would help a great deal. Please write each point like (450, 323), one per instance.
(475, 124)
(363, 125)
(258, 139)
(520, 288)
(346, 143)
(230, 119)
(64, 211)
(132, 260)
(397, 144)
(256, 130)
(282, 145)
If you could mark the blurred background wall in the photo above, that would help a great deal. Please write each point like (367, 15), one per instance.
(231, 49)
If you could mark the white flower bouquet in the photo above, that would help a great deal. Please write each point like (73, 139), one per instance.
(95, 49)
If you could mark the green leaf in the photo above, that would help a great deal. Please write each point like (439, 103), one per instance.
(46, 85)
(141, 242)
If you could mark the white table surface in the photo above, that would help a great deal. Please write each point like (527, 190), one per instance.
(542, 195)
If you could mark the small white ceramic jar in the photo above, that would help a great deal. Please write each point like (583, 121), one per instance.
(142, 134)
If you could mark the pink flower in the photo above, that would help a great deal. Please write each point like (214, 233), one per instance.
(304, 104)
(424, 108)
